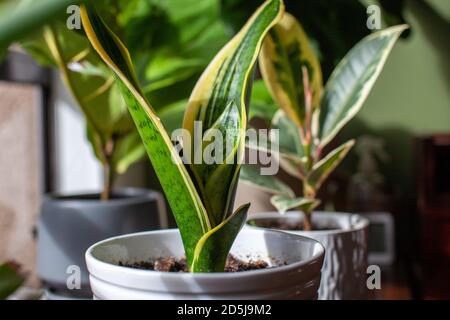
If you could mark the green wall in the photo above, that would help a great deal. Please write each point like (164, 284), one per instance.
(411, 97)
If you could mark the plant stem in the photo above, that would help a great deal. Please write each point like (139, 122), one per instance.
(308, 193)
(108, 180)
(108, 170)
(307, 224)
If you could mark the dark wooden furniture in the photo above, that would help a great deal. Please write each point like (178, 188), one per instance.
(433, 204)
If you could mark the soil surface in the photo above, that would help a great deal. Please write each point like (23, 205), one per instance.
(171, 264)
(282, 224)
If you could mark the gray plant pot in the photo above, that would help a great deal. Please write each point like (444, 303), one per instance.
(344, 271)
(69, 224)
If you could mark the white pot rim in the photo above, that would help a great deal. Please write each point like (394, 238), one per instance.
(91, 260)
(356, 221)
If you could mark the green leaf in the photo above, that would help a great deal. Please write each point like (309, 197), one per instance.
(165, 70)
(128, 150)
(92, 85)
(286, 155)
(250, 175)
(353, 79)
(289, 138)
(192, 218)
(10, 281)
(262, 105)
(172, 115)
(16, 25)
(293, 165)
(216, 244)
(322, 169)
(285, 51)
(219, 176)
(283, 204)
(226, 81)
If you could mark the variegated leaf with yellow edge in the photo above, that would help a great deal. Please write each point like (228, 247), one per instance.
(227, 80)
(285, 51)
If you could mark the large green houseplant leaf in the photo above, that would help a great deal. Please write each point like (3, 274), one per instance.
(28, 18)
(206, 223)
(110, 130)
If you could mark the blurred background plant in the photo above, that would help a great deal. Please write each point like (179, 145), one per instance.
(311, 115)
(171, 42)
(329, 24)
(10, 279)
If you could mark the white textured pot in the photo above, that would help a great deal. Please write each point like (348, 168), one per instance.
(345, 266)
(299, 279)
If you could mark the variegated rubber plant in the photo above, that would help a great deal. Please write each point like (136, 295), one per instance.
(310, 116)
(201, 196)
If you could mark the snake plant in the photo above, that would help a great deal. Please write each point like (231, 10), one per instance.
(201, 195)
(310, 115)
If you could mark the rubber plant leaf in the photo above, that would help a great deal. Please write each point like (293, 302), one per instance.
(322, 169)
(352, 80)
(284, 52)
(289, 137)
(224, 106)
(227, 80)
(190, 214)
(251, 176)
(283, 204)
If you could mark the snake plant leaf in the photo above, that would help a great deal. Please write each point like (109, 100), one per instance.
(219, 167)
(216, 244)
(284, 204)
(285, 51)
(10, 281)
(190, 214)
(204, 250)
(227, 80)
(251, 176)
(352, 80)
(322, 169)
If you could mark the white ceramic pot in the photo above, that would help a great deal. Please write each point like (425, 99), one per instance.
(344, 272)
(299, 279)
